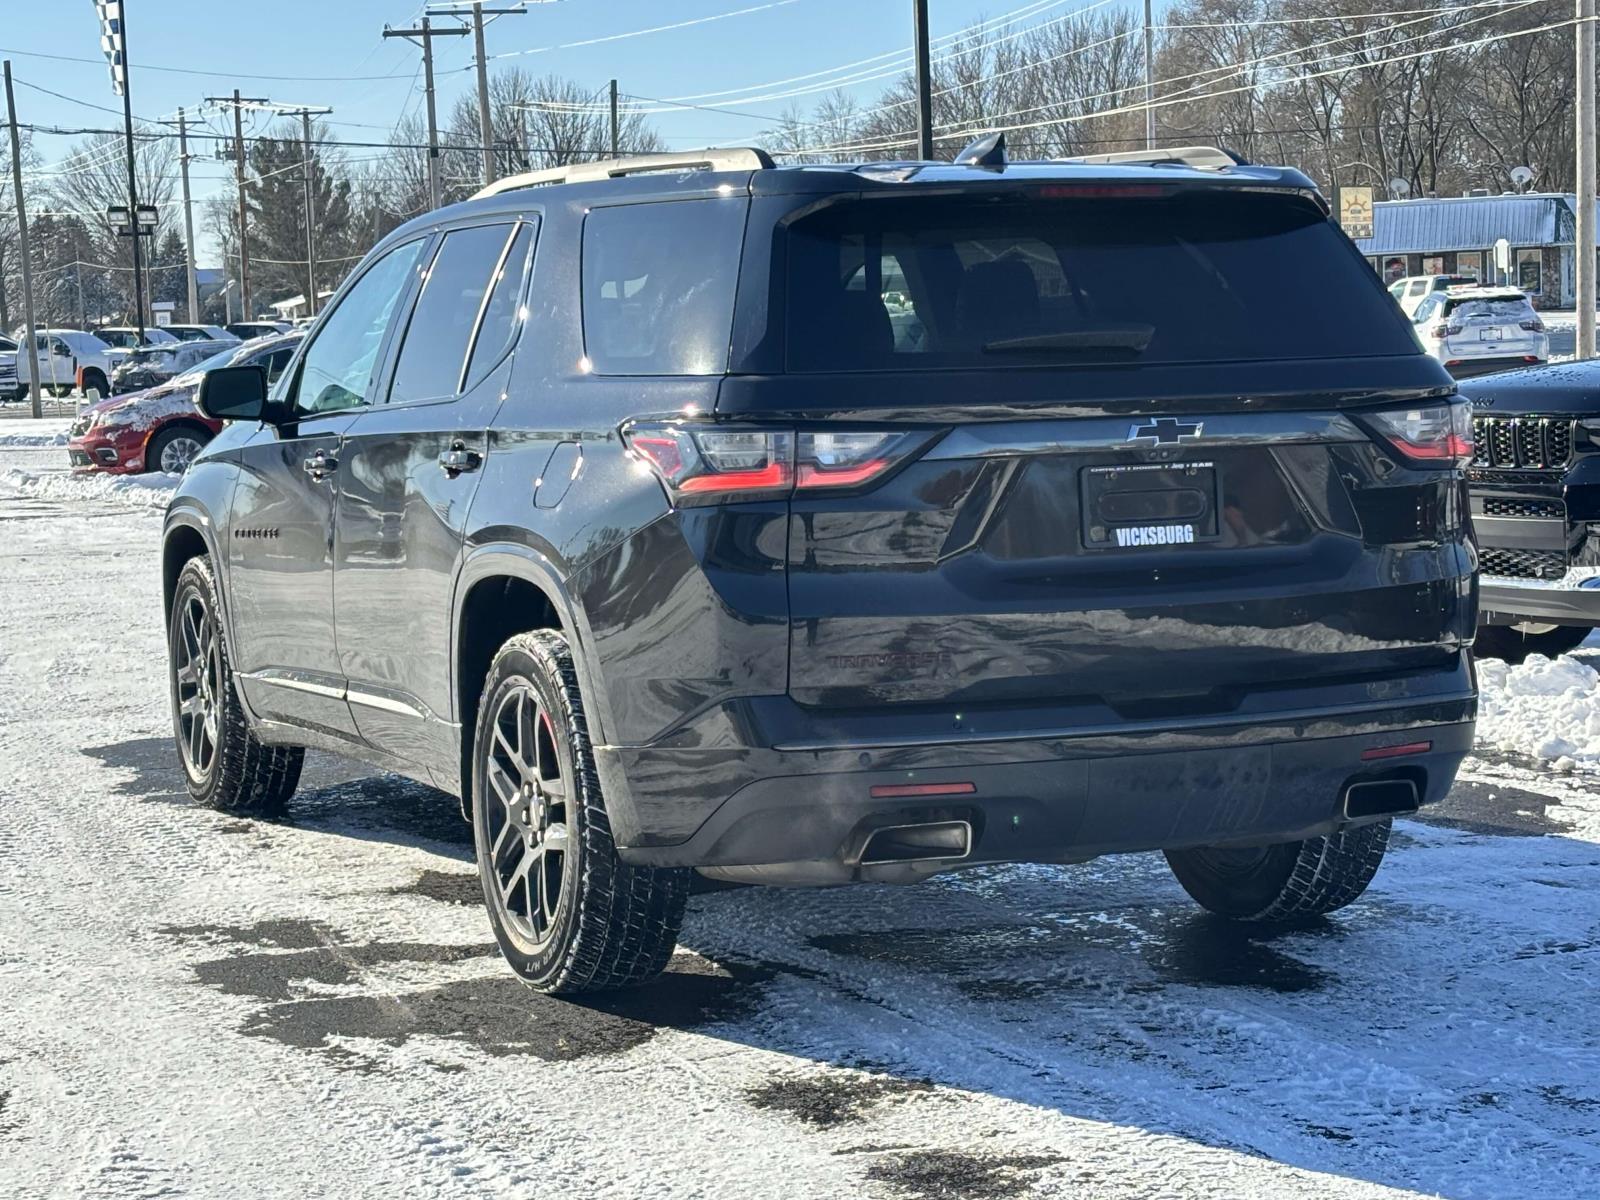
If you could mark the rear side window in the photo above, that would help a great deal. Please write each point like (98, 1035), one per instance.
(1022, 280)
(658, 285)
(435, 349)
(504, 311)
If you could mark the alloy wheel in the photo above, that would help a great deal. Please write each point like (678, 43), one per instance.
(526, 815)
(197, 685)
(178, 453)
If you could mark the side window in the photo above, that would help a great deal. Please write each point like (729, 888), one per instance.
(1419, 287)
(504, 311)
(658, 283)
(274, 363)
(434, 352)
(1425, 310)
(337, 370)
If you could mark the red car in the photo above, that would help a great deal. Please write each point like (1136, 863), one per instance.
(160, 429)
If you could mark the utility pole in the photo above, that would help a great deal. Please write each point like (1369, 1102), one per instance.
(188, 219)
(238, 102)
(311, 220)
(1149, 80)
(615, 126)
(77, 277)
(133, 179)
(22, 240)
(919, 31)
(424, 36)
(1585, 249)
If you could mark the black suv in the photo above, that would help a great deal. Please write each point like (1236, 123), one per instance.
(1535, 487)
(842, 523)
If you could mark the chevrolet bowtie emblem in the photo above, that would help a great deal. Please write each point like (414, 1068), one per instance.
(1164, 431)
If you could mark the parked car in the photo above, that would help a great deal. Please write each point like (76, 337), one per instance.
(126, 337)
(1534, 484)
(687, 564)
(1474, 330)
(202, 333)
(9, 387)
(70, 359)
(1414, 289)
(161, 429)
(149, 365)
(245, 330)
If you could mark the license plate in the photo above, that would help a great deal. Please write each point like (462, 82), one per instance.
(1149, 506)
(1489, 335)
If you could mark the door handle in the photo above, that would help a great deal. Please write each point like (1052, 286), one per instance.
(319, 464)
(458, 459)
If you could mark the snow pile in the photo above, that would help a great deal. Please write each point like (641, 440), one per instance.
(28, 433)
(1543, 708)
(140, 491)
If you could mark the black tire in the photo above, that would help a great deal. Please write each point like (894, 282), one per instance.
(96, 379)
(224, 765)
(167, 440)
(1287, 882)
(611, 925)
(1514, 645)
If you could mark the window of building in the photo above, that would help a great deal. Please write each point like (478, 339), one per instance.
(1530, 271)
(1433, 264)
(1470, 262)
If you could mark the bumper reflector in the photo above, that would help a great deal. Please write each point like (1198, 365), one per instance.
(1395, 751)
(888, 791)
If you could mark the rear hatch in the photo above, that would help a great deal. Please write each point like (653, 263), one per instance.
(1099, 444)
(1491, 327)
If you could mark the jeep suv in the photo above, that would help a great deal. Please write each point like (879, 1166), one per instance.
(614, 502)
(1535, 488)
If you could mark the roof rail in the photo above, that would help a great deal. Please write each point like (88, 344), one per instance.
(1208, 157)
(732, 158)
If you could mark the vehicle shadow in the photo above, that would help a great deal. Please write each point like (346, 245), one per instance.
(1437, 1036)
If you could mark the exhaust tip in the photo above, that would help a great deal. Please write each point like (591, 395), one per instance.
(930, 841)
(1380, 798)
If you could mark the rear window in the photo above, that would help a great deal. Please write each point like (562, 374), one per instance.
(658, 284)
(910, 284)
(1511, 308)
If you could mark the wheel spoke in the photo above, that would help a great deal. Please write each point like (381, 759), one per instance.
(193, 706)
(555, 838)
(505, 788)
(527, 747)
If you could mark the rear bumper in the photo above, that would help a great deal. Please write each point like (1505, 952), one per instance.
(1466, 368)
(804, 809)
(1573, 600)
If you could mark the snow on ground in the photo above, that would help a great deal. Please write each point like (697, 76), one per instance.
(27, 432)
(200, 1005)
(151, 490)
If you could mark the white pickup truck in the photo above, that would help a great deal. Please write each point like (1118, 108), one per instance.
(63, 353)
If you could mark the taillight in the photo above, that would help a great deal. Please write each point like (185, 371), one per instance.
(1435, 434)
(705, 464)
(1533, 326)
(1443, 331)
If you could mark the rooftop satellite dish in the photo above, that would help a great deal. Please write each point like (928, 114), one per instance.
(1398, 187)
(1521, 176)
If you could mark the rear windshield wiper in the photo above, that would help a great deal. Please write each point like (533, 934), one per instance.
(1132, 338)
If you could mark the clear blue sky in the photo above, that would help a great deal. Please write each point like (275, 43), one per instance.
(240, 41)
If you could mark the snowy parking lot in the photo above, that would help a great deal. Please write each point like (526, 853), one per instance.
(197, 1005)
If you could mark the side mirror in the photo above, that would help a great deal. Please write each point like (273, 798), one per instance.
(234, 394)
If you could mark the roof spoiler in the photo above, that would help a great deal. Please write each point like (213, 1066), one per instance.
(733, 158)
(1208, 158)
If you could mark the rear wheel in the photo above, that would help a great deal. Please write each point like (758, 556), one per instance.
(95, 380)
(1285, 882)
(1515, 642)
(223, 763)
(172, 450)
(569, 915)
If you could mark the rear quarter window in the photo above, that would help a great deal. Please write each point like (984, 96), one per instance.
(658, 286)
(1017, 279)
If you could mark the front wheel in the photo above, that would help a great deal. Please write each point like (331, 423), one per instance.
(172, 450)
(223, 763)
(1515, 642)
(1286, 882)
(570, 916)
